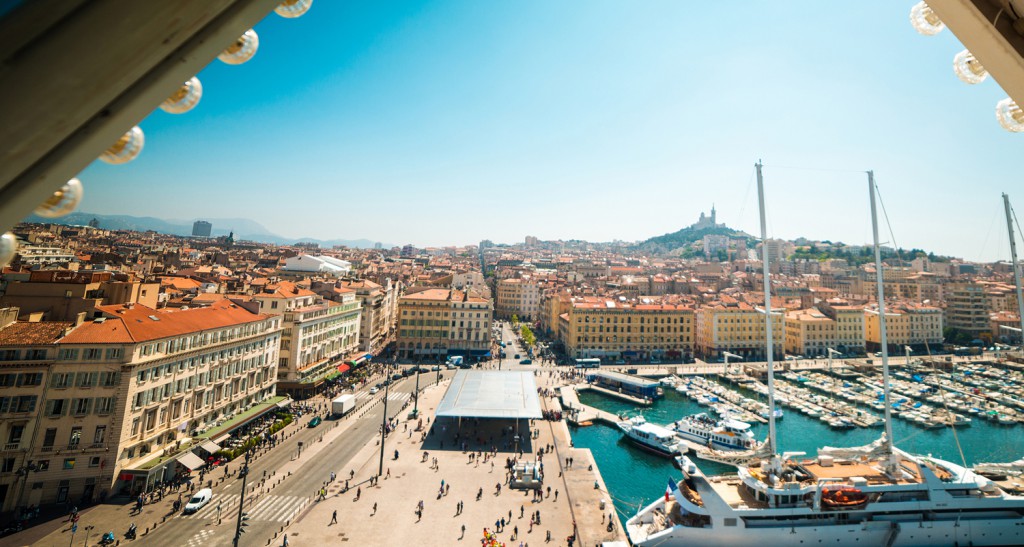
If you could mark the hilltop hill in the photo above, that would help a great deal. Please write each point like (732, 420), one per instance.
(676, 242)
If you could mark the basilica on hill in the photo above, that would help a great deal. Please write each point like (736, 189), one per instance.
(705, 221)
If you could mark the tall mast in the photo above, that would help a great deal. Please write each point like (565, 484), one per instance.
(1013, 256)
(881, 322)
(767, 315)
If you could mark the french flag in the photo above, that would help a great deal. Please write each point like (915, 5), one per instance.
(670, 489)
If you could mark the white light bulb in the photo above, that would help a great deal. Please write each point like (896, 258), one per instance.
(242, 49)
(968, 68)
(8, 248)
(925, 20)
(63, 201)
(126, 148)
(1010, 115)
(185, 98)
(291, 9)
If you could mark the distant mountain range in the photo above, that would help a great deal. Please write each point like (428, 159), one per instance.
(674, 242)
(242, 227)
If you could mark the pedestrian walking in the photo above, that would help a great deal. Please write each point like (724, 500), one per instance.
(285, 544)
(334, 517)
(375, 508)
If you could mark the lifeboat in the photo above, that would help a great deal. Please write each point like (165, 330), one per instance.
(843, 498)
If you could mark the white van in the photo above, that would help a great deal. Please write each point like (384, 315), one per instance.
(197, 502)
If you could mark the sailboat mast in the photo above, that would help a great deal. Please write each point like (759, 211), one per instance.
(881, 317)
(769, 340)
(1013, 256)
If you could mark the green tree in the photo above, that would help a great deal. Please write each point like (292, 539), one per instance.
(515, 319)
(528, 336)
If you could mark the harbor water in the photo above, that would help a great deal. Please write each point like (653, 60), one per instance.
(636, 477)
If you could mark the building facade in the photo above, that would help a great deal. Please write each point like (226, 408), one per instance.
(317, 334)
(520, 297)
(608, 329)
(919, 327)
(434, 323)
(121, 401)
(736, 327)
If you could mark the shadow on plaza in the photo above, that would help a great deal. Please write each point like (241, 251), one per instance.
(478, 435)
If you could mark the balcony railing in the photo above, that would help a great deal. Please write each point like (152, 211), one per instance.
(12, 446)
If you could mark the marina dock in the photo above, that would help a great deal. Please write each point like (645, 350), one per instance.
(578, 413)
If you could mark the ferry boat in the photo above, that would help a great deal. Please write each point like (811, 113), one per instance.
(872, 495)
(704, 431)
(653, 438)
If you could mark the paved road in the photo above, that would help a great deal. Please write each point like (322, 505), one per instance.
(269, 512)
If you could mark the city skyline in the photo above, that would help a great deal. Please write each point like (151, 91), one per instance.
(552, 120)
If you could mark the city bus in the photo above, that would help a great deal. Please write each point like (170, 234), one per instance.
(588, 363)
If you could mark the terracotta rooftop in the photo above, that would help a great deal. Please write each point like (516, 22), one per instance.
(140, 323)
(24, 333)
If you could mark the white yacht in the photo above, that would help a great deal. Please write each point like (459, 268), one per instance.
(650, 437)
(700, 430)
(872, 495)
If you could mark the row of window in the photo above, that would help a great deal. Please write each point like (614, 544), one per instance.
(61, 380)
(183, 385)
(438, 323)
(17, 404)
(154, 373)
(90, 354)
(99, 437)
(22, 355)
(186, 343)
(19, 379)
(79, 406)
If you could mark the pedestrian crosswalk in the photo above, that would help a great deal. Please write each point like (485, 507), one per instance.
(393, 396)
(270, 508)
(202, 535)
(277, 508)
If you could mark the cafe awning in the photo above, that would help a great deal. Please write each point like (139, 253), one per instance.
(343, 368)
(209, 446)
(190, 461)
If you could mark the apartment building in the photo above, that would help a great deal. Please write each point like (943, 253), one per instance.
(736, 327)
(811, 332)
(615, 329)
(378, 309)
(120, 403)
(434, 323)
(919, 327)
(967, 308)
(60, 295)
(317, 334)
(519, 296)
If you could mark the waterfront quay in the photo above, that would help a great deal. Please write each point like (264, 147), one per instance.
(436, 471)
(289, 491)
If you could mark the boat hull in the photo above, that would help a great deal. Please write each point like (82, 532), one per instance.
(977, 532)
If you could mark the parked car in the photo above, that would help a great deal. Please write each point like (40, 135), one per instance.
(517, 356)
(396, 376)
(197, 502)
(435, 368)
(526, 362)
(374, 389)
(315, 421)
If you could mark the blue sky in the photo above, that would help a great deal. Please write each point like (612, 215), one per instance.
(448, 122)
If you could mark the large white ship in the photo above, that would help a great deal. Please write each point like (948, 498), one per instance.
(700, 431)
(873, 495)
(650, 437)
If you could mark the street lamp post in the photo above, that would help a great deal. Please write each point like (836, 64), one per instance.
(241, 500)
(416, 396)
(24, 471)
(88, 529)
(384, 421)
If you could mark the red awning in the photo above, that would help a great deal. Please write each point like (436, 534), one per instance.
(343, 368)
